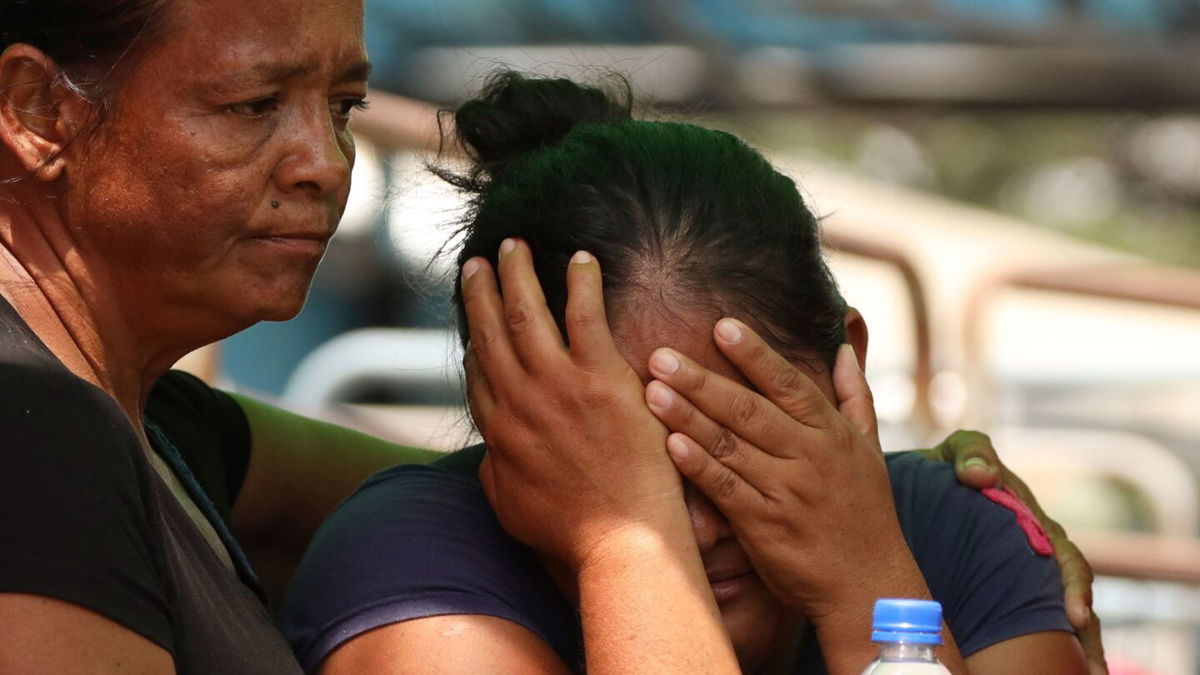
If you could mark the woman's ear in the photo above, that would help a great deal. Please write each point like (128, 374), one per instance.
(38, 115)
(856, 335)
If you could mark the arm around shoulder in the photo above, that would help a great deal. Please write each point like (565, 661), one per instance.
(44, 635)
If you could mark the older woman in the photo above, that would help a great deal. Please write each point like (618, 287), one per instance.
(170, 173)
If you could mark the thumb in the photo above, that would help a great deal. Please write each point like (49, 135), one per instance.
(976, 463)
(854, 398)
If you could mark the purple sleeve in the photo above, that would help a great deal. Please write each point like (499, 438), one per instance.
(976, 559)
(413, 542)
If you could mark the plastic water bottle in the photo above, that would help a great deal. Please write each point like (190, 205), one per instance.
(906, 632)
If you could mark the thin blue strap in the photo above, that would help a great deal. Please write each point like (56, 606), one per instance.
(167, 450)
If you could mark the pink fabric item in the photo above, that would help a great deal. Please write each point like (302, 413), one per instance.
(1038, 541)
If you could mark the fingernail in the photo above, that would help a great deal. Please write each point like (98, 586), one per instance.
(582, 258)
(976, 462)
(664, 362)
(729, 331)
(470, 267)
(507, 246)
(658, 395)
(677, 447)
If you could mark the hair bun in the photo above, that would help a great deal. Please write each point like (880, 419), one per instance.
(515, 114)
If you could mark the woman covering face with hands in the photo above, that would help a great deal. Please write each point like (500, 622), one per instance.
(646, 301)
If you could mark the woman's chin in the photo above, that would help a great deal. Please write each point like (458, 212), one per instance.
(758, 624)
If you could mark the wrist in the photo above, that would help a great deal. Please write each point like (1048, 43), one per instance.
(667, 534)
(843, 624)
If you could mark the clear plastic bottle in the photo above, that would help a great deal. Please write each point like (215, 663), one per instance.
(907, 632)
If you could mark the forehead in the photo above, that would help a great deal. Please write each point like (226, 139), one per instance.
(639, 332)
(214, 38)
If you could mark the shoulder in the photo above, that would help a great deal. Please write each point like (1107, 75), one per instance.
(975, 558)
(57, 427)
(209, 429)
(178, 389)
(72, 469)
(446, 554)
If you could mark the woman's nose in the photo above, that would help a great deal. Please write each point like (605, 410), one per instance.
(708, 523)
(319, 156)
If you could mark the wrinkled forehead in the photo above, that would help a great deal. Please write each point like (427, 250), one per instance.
(226, 35)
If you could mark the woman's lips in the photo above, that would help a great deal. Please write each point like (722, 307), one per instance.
(728, 587)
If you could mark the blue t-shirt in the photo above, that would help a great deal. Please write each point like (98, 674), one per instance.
(419, 541)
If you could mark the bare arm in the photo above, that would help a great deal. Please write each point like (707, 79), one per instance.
(41, 635)
(300, 469)
(1048, 652)
(634, 572)
(457, 644)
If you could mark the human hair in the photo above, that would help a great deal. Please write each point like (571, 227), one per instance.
(90, 40)
(677, 214)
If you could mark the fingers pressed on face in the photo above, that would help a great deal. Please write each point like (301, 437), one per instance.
(727, 403)
(587, 326)
(718, 442)
(728, 490)
(490, 345)
(854, 398)
(532, 331)
(772, 374)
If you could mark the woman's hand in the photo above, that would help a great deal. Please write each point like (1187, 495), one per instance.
(977, 465)
(575, 469)
(574, 456)
(806, 491)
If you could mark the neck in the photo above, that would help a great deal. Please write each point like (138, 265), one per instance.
(71, 306)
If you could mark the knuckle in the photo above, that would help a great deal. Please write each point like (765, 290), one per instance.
(842, 435)
(519, 316)
(788, 380)
(1086, 571)
(724, 444)
(580, 317)
(483, 339)
(724, 484)
(692, 379)
(592, 395)
(969, 438)
(744, 408)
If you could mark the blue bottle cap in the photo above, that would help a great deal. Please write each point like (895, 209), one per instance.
(907, 621)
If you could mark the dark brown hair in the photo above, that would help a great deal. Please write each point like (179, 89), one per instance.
(678, 215)
(90, 40)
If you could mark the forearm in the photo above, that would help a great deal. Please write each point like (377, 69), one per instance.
(844, 630)
(646, 607)
(300, 469)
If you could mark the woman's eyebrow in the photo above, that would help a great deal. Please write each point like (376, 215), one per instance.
(359, 71)
(263, 73)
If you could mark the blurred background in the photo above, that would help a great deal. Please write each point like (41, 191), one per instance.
(1011, 195)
